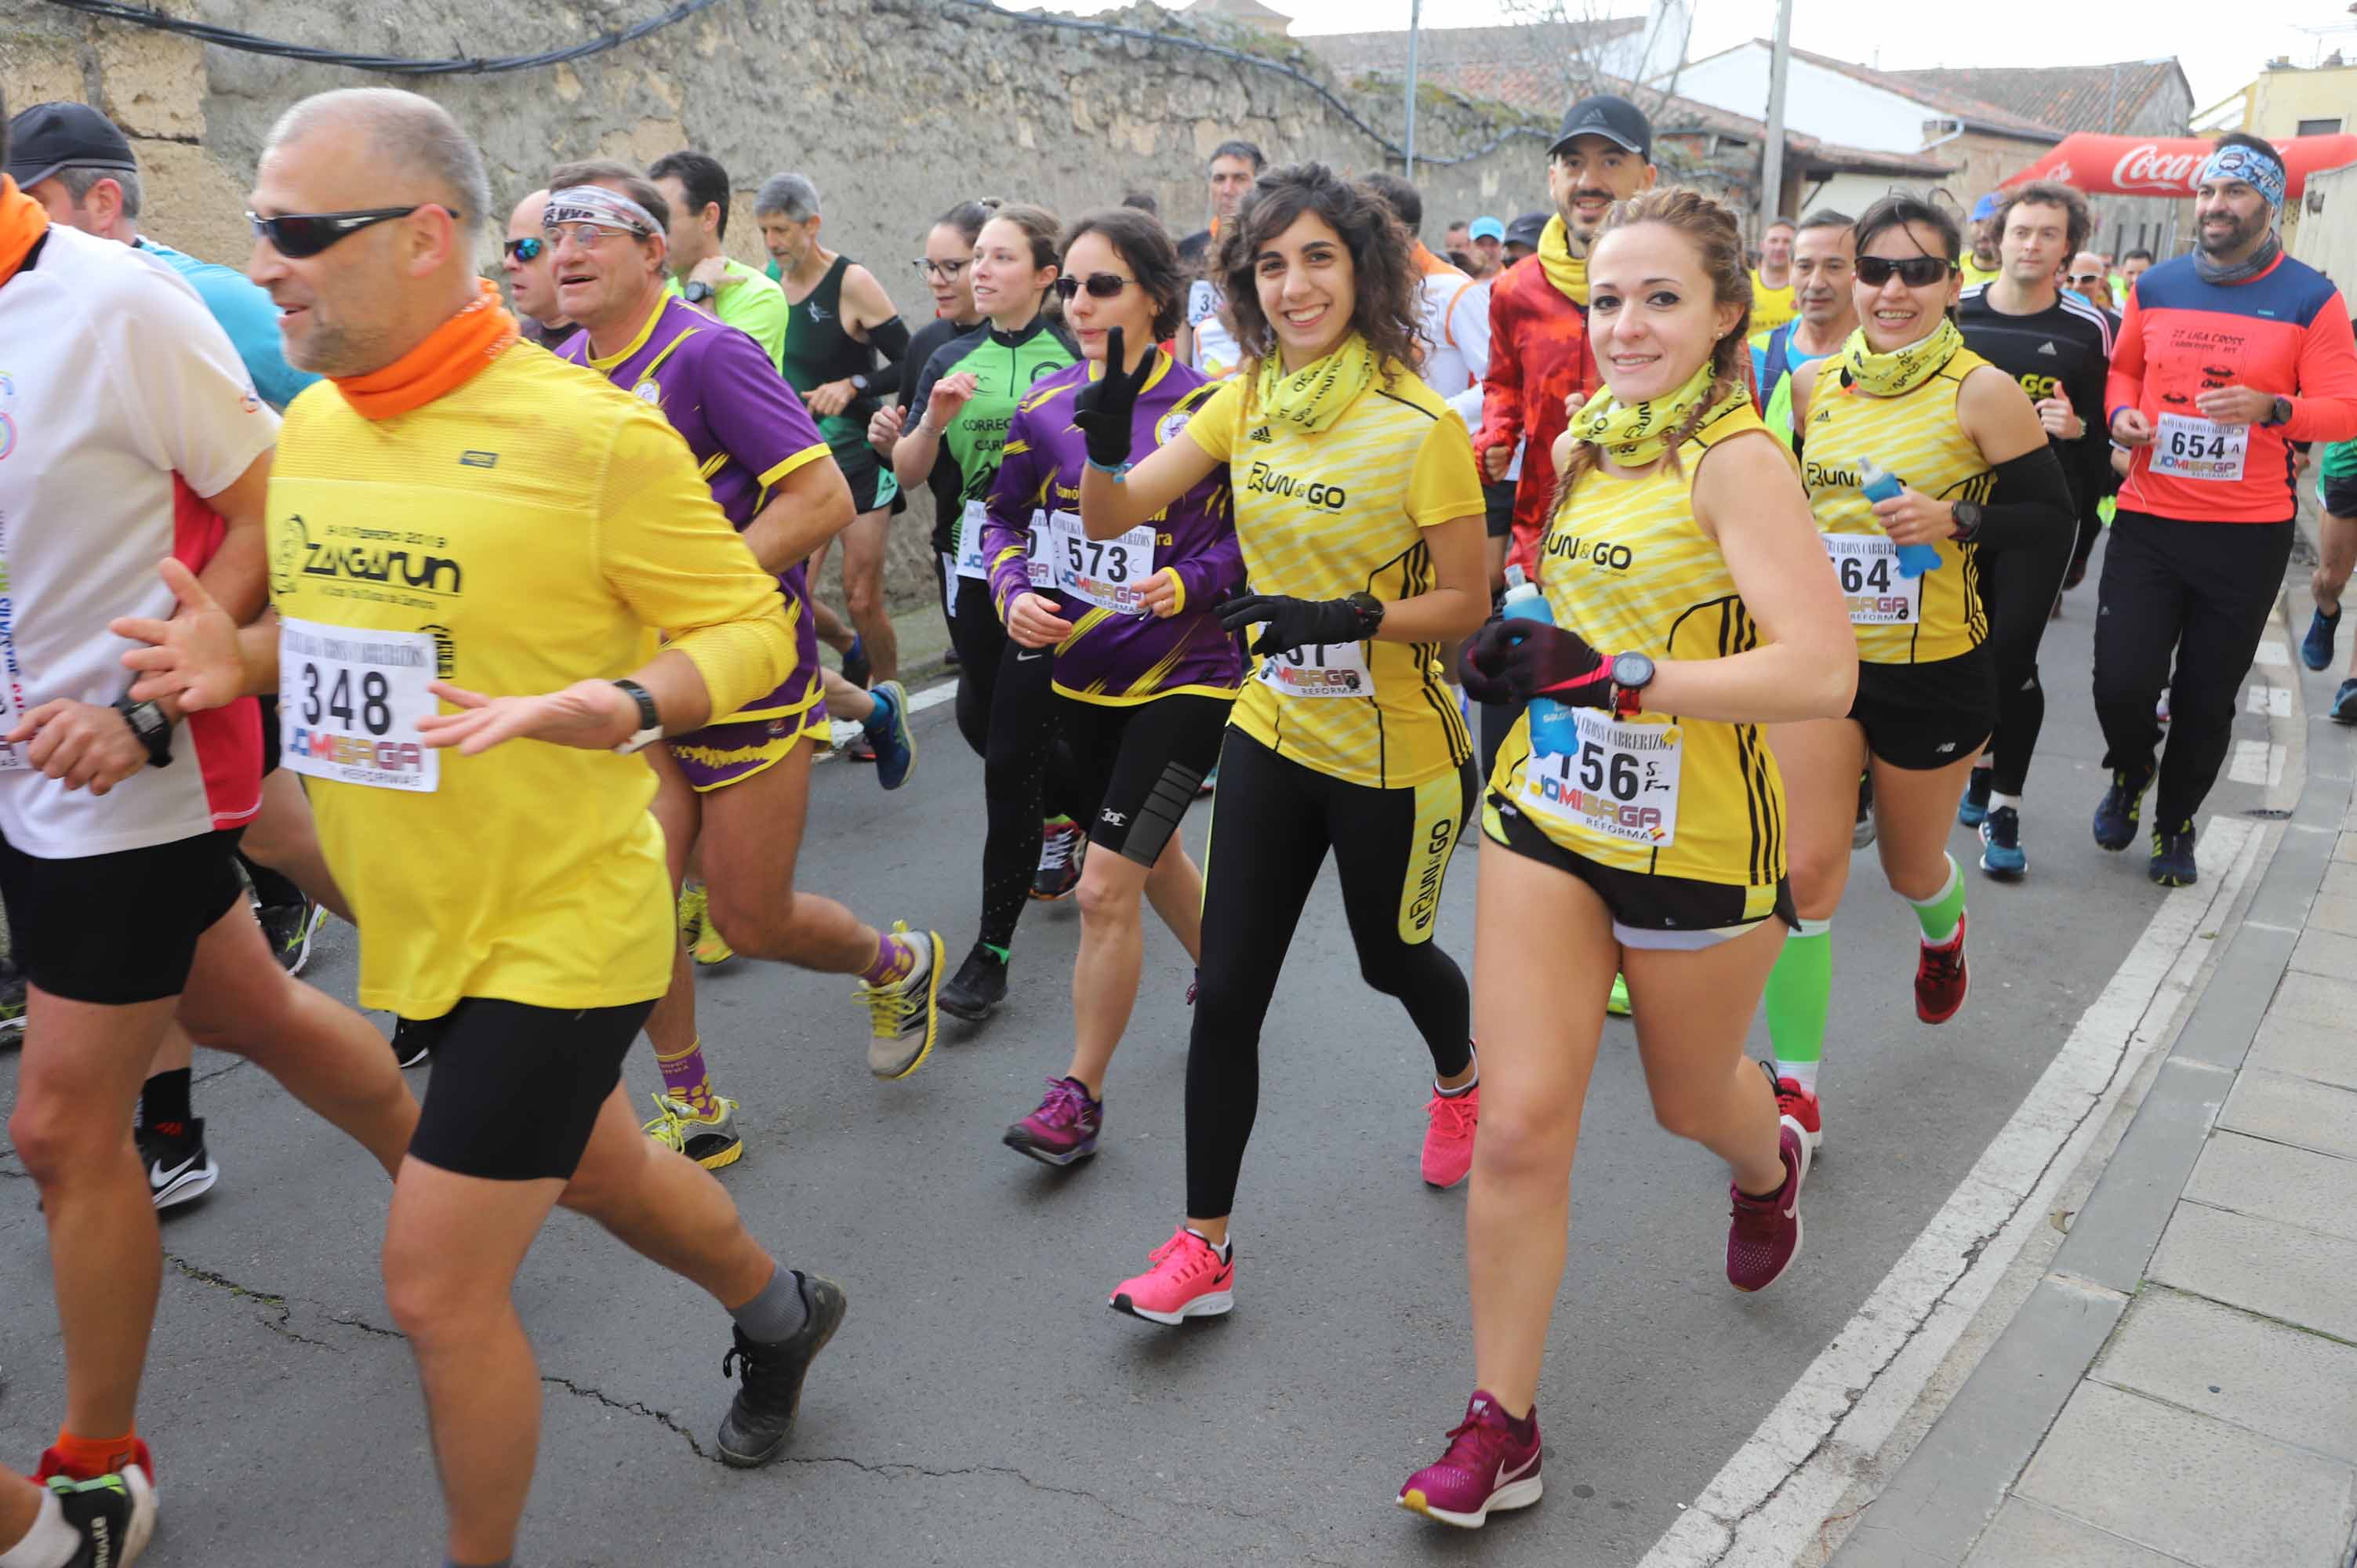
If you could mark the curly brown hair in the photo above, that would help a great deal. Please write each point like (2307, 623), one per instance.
(1386, 311)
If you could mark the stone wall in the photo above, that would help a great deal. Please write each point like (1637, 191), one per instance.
(896, 108)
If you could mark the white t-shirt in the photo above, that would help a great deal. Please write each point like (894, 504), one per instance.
(114, 380)
(1217, 353)
(1456, 325)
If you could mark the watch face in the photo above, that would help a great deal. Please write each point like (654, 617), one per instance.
(1632, 670)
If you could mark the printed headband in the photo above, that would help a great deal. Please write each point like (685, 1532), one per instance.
(596, 204)
(2252, 166)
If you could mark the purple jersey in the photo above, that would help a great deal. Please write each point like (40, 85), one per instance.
(747, 431)
(1115, 654)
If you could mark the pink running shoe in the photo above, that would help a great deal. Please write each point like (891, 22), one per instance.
(1764, 1233)
(1189, 1279)
(1064, 1128)
(1487, 1466)
(1448, 1136)
(1799, 1107)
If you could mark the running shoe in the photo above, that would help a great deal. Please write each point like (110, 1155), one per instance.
(1763, 1234)
(710, 949)
(2122, 804)
(860, 749)
(1862, 835)
(769, 1386)
(2172, 857)
(1973, 809)
(891, 739)
(1618, 1003)
(694, 906)
(977, 988)
(1062, 845)
(1940, 978)
(1449, 1121)
(12, 999)
(113, 1515)
(412, 1041)
(904, 1015)
(856, 668)
(2315, 647)
(2344, 711)
(1189, 1279)
(711, 1141)
(180, 1168)
(289, 928)
(1065, 1127)
(1799, 1107)
(1489, 1467)
(2001, 853)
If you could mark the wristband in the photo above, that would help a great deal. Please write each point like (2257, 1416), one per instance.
(1119, 471)
(149, 728)
(649, 729)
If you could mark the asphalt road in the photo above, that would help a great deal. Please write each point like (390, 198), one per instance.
(982, 1406)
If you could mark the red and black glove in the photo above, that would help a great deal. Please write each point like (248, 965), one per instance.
(1510, 661)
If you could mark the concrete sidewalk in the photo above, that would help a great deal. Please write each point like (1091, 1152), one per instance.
(2180, 1385)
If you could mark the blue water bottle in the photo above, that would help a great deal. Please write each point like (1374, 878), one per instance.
(1914, 559)
(1554, 730)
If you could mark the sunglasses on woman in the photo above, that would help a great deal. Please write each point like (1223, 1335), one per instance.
(2085, 280)
(300, 234)
(1915, 271)
(1100, 285)
(527, 248)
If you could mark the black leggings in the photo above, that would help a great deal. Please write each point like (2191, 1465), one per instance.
(2201, 593)
(1273, 824)
(979, 638)
(2019, 584)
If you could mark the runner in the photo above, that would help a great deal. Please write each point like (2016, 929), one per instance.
(1976, 468)
(101, 1523)
(843, 348)
(2225, 357)
(1772, 297)
(532, 279)
(1825, 256)
(1690, 604)
(1456, 326)
(1144, 675)
(735, 792)
(119, 814)
(696, 186)
(969, 392)
(2090, 277)
(1489, 248)
(1983, 263)
(538, 939)
(2134, 264)
(1358, 508)
(2058, 347)
(1206, 338)
(2335, 540)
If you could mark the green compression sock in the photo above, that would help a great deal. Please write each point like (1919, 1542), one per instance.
(1800, 992)
(1939, 916)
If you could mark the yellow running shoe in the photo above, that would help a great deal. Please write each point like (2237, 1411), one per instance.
(693, 903)
(1618, 1004)
(904, 1015)
(710, 947)
(711, 1141)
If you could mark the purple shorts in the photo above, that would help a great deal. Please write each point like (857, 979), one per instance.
(720, 755)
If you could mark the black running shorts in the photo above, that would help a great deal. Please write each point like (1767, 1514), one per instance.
(118, 928)
(516, 1090)
(1141, 765)
(1925, 716)
(1648, 911)
(1498, 508)
(2339, 497)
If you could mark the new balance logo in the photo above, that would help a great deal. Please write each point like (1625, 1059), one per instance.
(1262, 434)
(1944, 748)
(2046, 348)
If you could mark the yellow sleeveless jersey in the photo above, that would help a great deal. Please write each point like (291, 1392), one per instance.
(1324, 515)
(1917, 439)
(1625, 565)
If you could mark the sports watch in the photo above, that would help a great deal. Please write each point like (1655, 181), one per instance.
(2278, 411)
(1632, 673)
(150, 726)
(697, 293)
(649, 729)
(1371, 611)
(1968, 521)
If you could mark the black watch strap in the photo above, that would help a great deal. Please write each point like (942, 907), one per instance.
(697, 291)
(154, 730)
(1371, 611)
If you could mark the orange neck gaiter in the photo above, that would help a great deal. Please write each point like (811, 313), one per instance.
(22, 223)
(1428, 264)
(452, 354)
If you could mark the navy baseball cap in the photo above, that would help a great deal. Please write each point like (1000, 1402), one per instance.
(1615, 119)
(51, 136)
(1526, 229)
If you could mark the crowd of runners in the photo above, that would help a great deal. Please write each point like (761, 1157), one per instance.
(1673, 567)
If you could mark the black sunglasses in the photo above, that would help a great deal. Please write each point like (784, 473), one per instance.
(1100, 285)
(1915, 271)
(308, 233)
(527, 248)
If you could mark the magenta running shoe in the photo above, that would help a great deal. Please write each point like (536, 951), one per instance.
(1763, 1234)
(1189, 1279)
(1489, 1465)
(1064, 1128)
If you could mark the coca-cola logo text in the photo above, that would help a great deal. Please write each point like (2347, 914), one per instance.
(2146, 167)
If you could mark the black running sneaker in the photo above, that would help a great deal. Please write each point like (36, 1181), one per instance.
(289, 928)
(770, 1386)
(180, 1168)
(1061, 847)
(114, 1515)
(413, 1041)
(2172, 857)
(978, 986)
(2116, 813)
(856, 668)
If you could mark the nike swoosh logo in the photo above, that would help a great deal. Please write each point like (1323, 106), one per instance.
(1516, 1474)
(1028, 657)
(158, 1176)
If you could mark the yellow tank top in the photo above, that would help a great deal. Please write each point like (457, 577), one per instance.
(1917, 439)
(1624, 565)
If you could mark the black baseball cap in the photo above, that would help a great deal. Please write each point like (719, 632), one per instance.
(1615, 119)
(51, 136)
(1526, 229)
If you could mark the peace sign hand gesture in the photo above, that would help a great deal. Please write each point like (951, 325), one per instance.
(1103, 409)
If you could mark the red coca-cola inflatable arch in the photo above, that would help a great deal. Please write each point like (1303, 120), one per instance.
(2168, 165)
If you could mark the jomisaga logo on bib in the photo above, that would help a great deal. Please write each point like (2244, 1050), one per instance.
(1640, 824)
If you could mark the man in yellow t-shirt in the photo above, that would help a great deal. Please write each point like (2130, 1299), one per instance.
(454, 518)
(1772, 280)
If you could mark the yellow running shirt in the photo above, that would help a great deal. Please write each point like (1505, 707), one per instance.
(1770, 307)
(1917, 439)
(1626, 566)
(1322, 516)
(526, 530)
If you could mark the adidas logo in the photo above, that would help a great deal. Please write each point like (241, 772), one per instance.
(2046, 348)
(1262, 434)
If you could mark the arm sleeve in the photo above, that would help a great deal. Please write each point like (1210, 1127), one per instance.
(180, 387)
(2124, 386)
(670, 555)
(890, 340)
(2324, 407)
(757, 419)
(2029, 505)
(1006, 515)
(1445, 485)
(1501, 383)
(1207, 577)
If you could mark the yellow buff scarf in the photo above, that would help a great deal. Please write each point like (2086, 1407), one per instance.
(1566, 272)
(1903, 369)
(1315, 396)
(1635, 434)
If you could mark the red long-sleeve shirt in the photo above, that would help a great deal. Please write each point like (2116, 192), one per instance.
(1539, 357)
(2284, 332)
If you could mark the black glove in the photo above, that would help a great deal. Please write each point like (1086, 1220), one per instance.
(1103, 408)
(1293, 623)
(1510, 661)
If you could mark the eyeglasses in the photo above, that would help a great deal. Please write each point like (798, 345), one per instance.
(2090, 278)
(527, 248)
(945, 271)
(585, 234)
(1915, 271)
(1100, 285)
(302, 235)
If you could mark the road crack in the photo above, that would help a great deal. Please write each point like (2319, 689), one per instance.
(280, 1325)
(628, 1407)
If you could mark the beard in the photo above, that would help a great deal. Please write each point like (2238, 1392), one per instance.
(2242, 233)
